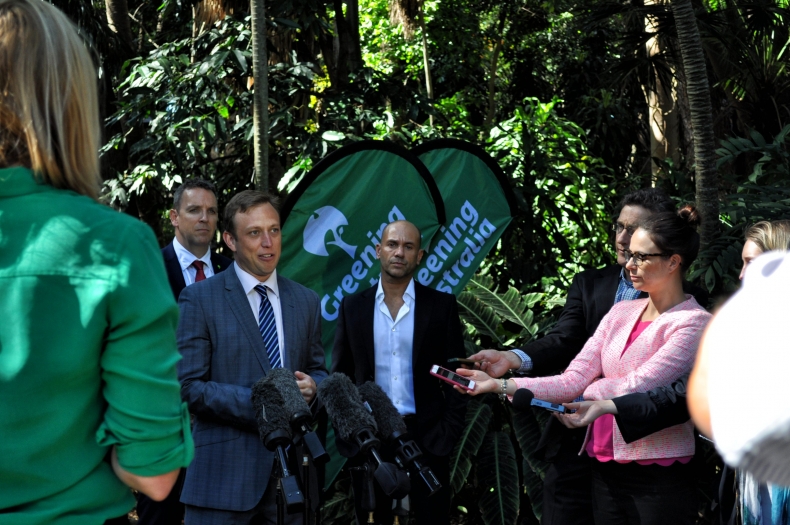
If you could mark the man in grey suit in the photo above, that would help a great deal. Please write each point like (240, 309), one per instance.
(234, 329)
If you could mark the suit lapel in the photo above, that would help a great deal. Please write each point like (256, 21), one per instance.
(421, 321)
(240, 306)
(288, 310)
(606, 290)
(174, 273)
(365, 326)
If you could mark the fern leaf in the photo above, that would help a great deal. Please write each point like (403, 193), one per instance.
(498, 478)
(511, 305)
(480, 316)
(478, 416)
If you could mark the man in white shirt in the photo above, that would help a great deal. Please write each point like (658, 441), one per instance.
(189, 259)
(234, 329)
(392, 333)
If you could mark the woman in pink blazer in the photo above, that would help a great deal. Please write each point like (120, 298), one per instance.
(639, 345)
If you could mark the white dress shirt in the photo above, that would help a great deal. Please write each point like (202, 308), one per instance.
(392, 342)
(248, 283)
(186, 258)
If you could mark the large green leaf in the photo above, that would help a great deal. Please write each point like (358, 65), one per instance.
(498, 479)
(478, 416)
(511, 305)
(528, 429)
(480, 316)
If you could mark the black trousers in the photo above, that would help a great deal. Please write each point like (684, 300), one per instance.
(634, 494)
(567, 487)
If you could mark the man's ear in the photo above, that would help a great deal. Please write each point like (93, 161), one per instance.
(378, 251)
(174, 218)
(419, 256)
(230, 241)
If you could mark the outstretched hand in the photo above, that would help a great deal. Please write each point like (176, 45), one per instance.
(483, 382)
(496, 363)
(586, 412)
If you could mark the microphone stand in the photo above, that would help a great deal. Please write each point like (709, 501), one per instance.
(290, 498)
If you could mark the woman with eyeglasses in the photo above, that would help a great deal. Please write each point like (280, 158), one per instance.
(639, 345)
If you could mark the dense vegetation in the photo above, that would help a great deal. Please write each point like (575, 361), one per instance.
(579, 102)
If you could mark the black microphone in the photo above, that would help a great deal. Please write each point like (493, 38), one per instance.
(524, 398)
(353, 423)
(275, 432)
(393, 430)
(297, 410)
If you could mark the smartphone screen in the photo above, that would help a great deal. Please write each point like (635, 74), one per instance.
(452, 376)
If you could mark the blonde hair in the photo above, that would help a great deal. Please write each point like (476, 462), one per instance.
(770, 235)
(49, 115)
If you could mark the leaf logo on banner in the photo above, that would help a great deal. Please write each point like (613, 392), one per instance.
(324, 220)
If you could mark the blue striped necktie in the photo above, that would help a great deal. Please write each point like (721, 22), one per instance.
(268, 328)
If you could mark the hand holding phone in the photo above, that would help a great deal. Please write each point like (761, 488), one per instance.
(460, 362)
(452, 378)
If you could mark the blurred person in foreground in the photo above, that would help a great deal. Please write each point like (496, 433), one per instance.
(89, 399)
(740, 377)
(640, 344)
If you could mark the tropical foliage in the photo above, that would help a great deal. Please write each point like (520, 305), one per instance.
(578, 102)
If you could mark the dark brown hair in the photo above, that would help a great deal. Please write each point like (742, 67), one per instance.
(243, 201)
(675, 232)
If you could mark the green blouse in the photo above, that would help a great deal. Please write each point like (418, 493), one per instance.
(87, 357)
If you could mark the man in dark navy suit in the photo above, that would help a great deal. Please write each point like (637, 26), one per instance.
(188, 259)
(234, 329)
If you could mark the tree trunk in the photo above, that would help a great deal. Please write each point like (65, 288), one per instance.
(696, 77)
(426, 63)
(119, 22)
(491, 113)
(260, 95)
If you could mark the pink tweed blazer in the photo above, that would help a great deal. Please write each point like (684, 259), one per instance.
(662, 353)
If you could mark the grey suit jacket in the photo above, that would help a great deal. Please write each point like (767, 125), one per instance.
(223, 355)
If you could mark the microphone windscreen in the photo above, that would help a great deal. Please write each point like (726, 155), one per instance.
(522, 399)
(387, 416)
(344, 406)
(269, 411)
(284, 382)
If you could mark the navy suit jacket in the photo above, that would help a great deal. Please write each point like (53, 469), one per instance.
(223, 355)
(440, 410)
(175, 276)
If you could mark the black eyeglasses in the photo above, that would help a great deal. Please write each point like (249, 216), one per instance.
(618, 228)
(639, 258)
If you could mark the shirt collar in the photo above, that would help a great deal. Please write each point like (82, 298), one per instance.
(249, 281)
(186, 258)
(408, 293)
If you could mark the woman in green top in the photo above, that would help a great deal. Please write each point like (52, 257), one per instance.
(89, 400)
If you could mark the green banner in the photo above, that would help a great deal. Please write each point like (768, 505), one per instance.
(479, 204)
(335, 216)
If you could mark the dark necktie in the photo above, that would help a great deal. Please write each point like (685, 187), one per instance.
(268, 328)
(200, 275)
